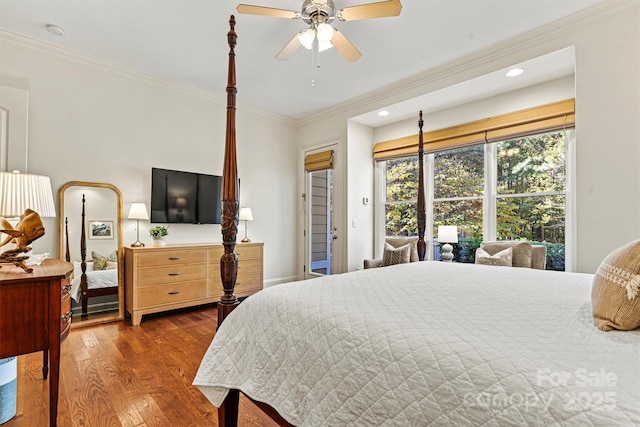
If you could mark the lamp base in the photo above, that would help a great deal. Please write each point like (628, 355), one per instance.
(447, 253)
(246, 240)
(137, 244)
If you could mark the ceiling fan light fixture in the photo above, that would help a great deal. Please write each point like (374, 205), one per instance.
(322, 46)
(306, 38)
(325, 32)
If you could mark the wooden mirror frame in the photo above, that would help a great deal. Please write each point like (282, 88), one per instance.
(62, 248)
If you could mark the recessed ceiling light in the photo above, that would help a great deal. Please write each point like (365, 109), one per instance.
(55, 30)
(383, 113)
(514, 72)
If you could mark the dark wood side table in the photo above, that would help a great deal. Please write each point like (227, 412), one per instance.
(35, 316)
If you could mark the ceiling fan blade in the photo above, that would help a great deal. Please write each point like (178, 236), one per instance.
(345, 47)
(380, 9)
(267, 11)
(289, 49)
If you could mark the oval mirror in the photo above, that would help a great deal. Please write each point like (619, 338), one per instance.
(90, 237)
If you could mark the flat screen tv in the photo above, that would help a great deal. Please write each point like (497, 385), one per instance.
(185, 197)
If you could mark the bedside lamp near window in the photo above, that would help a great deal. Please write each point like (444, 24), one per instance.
(138, 211)
(447, 234)
(246, 216)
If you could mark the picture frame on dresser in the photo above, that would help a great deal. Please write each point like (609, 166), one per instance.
(163, 278)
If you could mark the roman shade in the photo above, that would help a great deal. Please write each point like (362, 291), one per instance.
(546, 118)
(319, 161)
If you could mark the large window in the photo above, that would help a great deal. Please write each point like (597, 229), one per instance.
(401, 194)
(508, 190)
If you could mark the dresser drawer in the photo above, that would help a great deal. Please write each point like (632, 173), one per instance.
(248, 281)
(171, 257)
(171, 274)
(172, 293)
(65, 315)
(254, 264)
(246, 252)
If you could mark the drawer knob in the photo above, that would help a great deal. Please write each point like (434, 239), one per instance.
(174, 258)
(66, 289)
(66, 318)
(174, 292)
(175, 274)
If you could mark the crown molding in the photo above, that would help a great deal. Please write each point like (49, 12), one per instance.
(406, 88)
(122, 71)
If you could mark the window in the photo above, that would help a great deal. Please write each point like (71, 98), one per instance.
(458, 189)
(512, 189)
(401, 195)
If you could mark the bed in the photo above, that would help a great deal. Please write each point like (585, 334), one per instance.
(90, 278)
(424, 343)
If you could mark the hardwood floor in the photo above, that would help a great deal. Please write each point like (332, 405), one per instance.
(116, 375)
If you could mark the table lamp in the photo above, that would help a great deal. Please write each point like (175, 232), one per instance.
(20, 191)
(138, 211)
(246, 216)
(447, 234)
(24, 199)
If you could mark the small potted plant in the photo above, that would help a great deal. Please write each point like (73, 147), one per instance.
(158, 234)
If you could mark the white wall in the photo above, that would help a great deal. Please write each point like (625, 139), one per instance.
(360, 178)
(94, 121)
(607, 44)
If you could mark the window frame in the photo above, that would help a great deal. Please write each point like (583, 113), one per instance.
(489, 198)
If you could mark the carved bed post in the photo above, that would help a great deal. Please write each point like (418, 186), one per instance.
(67, 251)
(229, 260)
(83, 265)
(422, 216)
(228, 411)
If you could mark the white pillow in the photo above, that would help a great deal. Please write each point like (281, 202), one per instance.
(503, 258)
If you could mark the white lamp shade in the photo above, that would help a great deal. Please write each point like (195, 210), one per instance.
(245, 214)
(306, 38)
(448, 233)
(138, 211)
(21, 191)
(324, 33)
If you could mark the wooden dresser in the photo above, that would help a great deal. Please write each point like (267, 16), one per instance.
(160, 278)
(35, 315)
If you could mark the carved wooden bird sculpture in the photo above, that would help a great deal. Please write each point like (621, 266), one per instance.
(28, 229)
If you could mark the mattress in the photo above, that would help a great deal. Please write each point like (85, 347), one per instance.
(428, 343)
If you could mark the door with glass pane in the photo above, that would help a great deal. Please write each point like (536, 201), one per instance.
(320, 230)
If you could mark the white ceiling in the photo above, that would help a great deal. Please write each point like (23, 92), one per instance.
(185, 41)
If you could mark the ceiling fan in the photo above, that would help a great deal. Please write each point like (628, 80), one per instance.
(319, 14)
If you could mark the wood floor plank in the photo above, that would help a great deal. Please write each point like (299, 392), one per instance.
(118, 375)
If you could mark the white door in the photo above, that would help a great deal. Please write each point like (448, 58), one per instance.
(320, 229)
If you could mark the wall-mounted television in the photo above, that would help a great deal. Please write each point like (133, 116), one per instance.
(185, 197)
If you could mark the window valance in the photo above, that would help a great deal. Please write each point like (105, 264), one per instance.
(546, 118)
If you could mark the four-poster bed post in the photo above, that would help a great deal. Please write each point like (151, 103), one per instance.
(228, 411)
(422, 215)
(230, 203)
(83, 265)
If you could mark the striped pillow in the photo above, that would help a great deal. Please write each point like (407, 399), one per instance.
(615, 292)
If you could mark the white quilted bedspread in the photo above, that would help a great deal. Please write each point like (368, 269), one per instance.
(428, 343)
